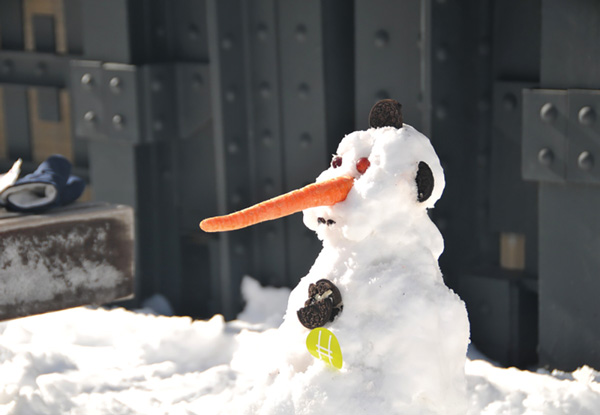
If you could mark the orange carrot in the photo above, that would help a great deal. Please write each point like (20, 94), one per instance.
(326, 193)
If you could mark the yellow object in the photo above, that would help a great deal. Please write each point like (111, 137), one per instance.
(323, 344)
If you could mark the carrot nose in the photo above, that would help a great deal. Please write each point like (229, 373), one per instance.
(325, 193)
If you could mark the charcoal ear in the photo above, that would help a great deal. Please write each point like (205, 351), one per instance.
(424, 181)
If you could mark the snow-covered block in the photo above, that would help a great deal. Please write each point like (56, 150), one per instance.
(78, 255)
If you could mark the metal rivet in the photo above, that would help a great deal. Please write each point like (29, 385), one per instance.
(585, 161)
(545, 157)
(158, 125)
(305, 139)
(233, 148)
(303, 90)
(156, 85)
(239, 249)
(87, 80)
(382, 38)
(227, 43)
(441, 112)
(587, 115)
(271, 233)
(7, 66)
(269, 186)
(236, 198)
(381, 94)
(89, 116)
(115, 84)
(265, 89)
(484, 48)
(267, 138)
(483, 105)
(548, 112)
(230, 95)
(441, 53)
(509, 102)
(301, 33)
(41, 69)
(160, 31)
(261, 31)
(197, 80)
(193, 32)
(118, 121)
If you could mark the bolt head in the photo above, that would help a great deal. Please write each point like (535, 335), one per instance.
(115, 84)
(545, 157)
(89, 116)
(585, 161)
(305, 140)
(118, 121)
(87, 80)
(227, 43)
(262, 32)
(7, 67)
(548, 112)
(265, 89)
(382, 38)
(41, 69)
(303, 90)
(509, 102)
(301, 33)
(587, 115)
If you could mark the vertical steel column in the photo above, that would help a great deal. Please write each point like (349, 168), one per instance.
(569, 225)
(389, 42)
(304, 117)
(226, 50)
(264, 127)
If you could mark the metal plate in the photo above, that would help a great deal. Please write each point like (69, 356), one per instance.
(545, 120)
(583, 164)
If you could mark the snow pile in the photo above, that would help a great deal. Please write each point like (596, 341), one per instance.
(86, 361)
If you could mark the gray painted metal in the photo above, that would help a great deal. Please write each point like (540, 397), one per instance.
(584, 136)
(569, 283)
(266, 139)
(503, 315)
(303, 109)
(545, 119)
(231, 145)
(389, 58)
(33, 68)
(44, 33)
(513, 201)
(48, 105)
(16, 121)
(11, 25)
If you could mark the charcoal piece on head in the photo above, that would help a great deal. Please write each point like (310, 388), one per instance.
(386, 113)
(424, 181)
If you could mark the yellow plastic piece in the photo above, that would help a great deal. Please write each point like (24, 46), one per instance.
(323, 344)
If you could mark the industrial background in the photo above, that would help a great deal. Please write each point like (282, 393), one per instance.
(185, 109)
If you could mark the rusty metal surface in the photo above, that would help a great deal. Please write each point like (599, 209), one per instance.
(80, 255)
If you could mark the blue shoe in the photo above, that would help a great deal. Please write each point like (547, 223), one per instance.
(50, 185)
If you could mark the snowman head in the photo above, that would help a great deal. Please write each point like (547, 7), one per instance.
(381, 180)
(397, 177)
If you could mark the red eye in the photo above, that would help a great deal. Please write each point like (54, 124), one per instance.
(336, 162)
(362, 165)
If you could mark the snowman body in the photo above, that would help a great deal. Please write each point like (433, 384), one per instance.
(403, 333)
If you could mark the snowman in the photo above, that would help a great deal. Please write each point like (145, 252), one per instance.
(375, 288)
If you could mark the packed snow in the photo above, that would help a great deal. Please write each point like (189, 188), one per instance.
(98, 361)
(403, 333)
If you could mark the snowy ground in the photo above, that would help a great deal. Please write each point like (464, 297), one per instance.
(96, 361)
